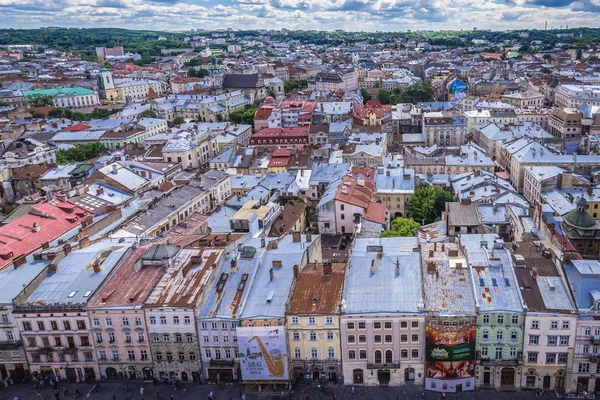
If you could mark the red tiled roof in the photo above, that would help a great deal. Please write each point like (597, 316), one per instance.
(376, 212)
(78, 127)
(361, 111)
(281, 132)
(54, 220)
(356, 190)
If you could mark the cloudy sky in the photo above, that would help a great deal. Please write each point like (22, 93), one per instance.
(368, 15)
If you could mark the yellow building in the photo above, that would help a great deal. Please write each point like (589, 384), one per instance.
(313, 322)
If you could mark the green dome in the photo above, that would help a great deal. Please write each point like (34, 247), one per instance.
(580, 217)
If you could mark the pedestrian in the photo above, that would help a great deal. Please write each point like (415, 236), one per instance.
(158, 395)
(114, 397)
(353, 391)
(210, 396)
(172, 397)
(243, 396)
(240, 393)
(404, 391)
(141, 391)
(306, 396)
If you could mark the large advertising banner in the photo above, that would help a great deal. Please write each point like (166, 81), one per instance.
(450, 350)
(263, 353)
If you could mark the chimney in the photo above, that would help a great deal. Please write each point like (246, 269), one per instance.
(308, 237)
(45, 245)
(52, 268)
(262, 242)
(465, 202)
(233, 263)
(277, 263)
(387, 173)
(296, 271)
(397, 267)
(67, 248)
(100, 191)
(115, 168)
(372, 267)
(271, 274)
(84, 242)
(296, 237)
(273, 245)
(97, 267)
(327, 269)
(17, 262)
(36, 227)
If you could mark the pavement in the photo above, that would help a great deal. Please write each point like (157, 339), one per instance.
(117, 391)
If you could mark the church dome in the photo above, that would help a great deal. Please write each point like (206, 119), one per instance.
(580, 217)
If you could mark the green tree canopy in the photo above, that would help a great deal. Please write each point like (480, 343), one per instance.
(81, 152)
(414, 93)
(384, 96)
(427, 203)
(365, 95)
(98, 113)
(243, 115)
(39, 100)
(197, 73)
(290, 86)
(402, 227)
(177, 121)
(148, 114)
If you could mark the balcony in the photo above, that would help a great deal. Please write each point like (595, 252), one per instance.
(10, 344)
(593, 357)
(394, 364)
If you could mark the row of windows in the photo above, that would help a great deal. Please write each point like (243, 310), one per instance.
(215, 325)
(587, 331)
(485, 352)
(379, 325)
(216, 339)
(312, 336)
(175, 320)
(378, 355)
(312, 320)
(87, 356)
(551, 358)
(166, 338)
(41, 325)
(131, 355)
(485, 318)
(217, 353)
(535, 324)
(112, 339)
(137, 321)
(180, 356)
(314, 353)
(377, 339)
(534, 340)
(485, 335)
(58, 341)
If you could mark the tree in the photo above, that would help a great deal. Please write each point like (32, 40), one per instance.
(148, 114)
(37, 114)
(177, 121)
(81, 152)
(579, 54)
(415, 93)
(384, 96)
(427, 203)
(243, 115)
(197, 73)
(402, 227)
(290, 86)
(546, 70)
(365, 95)
(39, 100)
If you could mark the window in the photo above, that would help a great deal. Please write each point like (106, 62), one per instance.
(314, 354)
(169, 356)
(550, 358)
(388, 325)
(175, 319)
(192, 356)
(414, 338)
(351, 355)
(124, 321)
(155, 338)
(376, 325)
(484, 351)
(115, 355)
(565, 324)
(9, 335)
(111, 337)
(298, 354)
(313, 336)
(215, 339)
(108, 322)
(403, 324)
(362, 338)
(152, 320)
(102, 355)
(562, 358)
(378, 357)
(485, 335)
(54, 325)
(515, 319)
(187, 320)
(554, 325)
(178, 337)
(163, 320)
(80, 324)
(486, 319)
(140, 336)
(362, 325)
(166, 338)
(564, 340)
(329, 335)
(534, 340)
(499, 335)
(535, 324)
(498, 353)
(377, 339)
(350, 325)
(415, 353)
(296, 336)
(207, 353)
(388, 338)
(532, 357)
(26, 326)
(328, 320)
(294, 320)
(513, 352)
(584, 368)
(404, 338)
(217, 354)
(552, 340)
(96, 322)
(500, 319)
(362, 355)
(311, 321)
(331, 353)
(341, 207)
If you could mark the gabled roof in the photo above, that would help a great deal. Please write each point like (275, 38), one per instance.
(245, 81)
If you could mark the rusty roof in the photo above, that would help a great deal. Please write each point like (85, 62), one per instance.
(317, 293)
